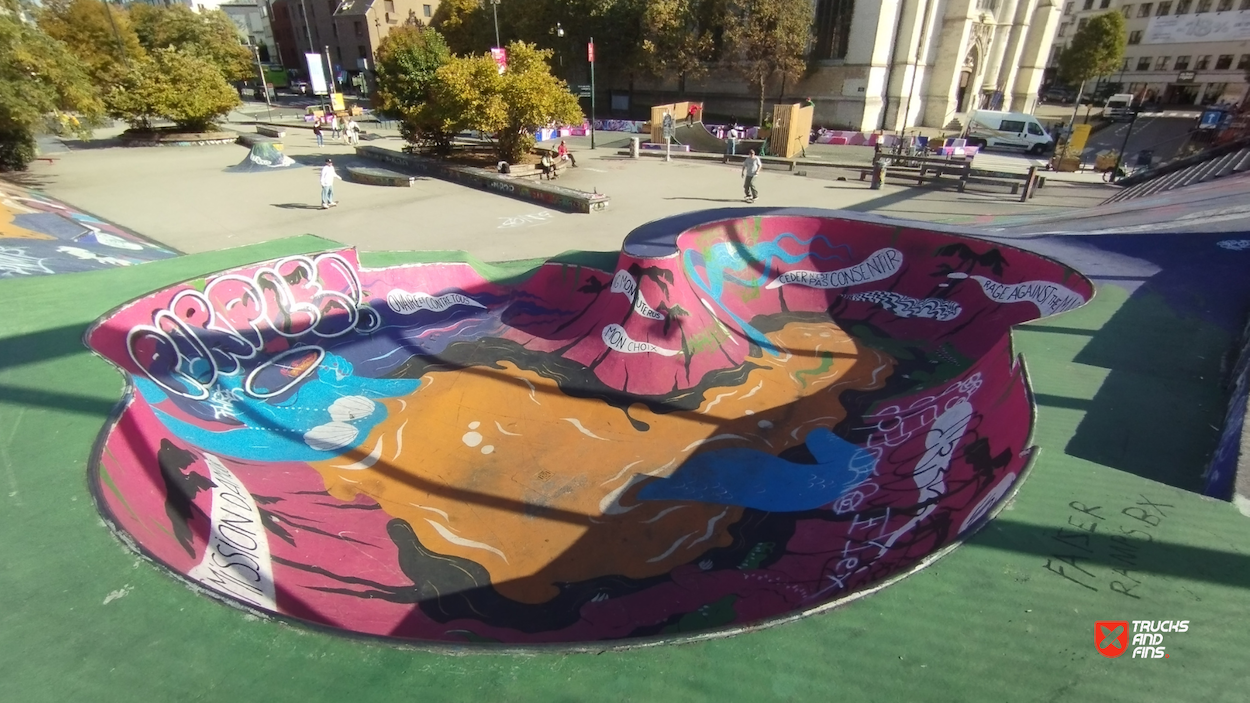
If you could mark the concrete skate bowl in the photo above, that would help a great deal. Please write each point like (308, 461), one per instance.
(753, 416)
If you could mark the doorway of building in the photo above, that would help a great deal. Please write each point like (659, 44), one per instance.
(961, 96)
(1181, 94)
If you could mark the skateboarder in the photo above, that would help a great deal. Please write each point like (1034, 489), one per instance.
(327, 185)
(750, 167)
(692, 114)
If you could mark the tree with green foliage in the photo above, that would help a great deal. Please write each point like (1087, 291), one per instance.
(765, 38)
(42, 85)
(407, 61)
(100, 35)
(471, 93)
(1097, 49)
(210, 34)
(465, 24)
(176, 85)
(677, 38)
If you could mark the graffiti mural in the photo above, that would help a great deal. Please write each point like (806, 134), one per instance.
(41, 236)
(750, 417)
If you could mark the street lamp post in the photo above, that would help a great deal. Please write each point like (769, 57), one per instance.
(264, 84)
(560, 56)
(494, 8)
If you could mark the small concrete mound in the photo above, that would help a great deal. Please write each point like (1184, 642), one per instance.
(264, 156)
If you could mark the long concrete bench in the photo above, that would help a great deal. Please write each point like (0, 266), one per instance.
(368, 175)
(539, 192)
(268, 131)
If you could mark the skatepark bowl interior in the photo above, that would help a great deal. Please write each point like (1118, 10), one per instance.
(749, 418)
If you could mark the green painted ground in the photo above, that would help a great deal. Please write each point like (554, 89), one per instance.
(1127, 400)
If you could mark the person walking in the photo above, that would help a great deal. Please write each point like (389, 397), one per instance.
(317, 133)
(334, 126)
(327, 185)
(750, 167)
(353, 132)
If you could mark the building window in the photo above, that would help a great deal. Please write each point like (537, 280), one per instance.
(1161, 63)
(1089, 5)
(1134, 37)
(1182, 6)
(1203, 63)
(1127, 11)
(1203, 6)
(1244, 62)
(360, 30)
(1144, 9)
(1165, 8)
(1067, 9)
(1182, 63)
(1104, 4)
(1127, 61)
(1063, 29)
(390, 6)
(1224, 62)
(833, 28)
(1143, 63)
(1080, 24)
(338, 51)
(1224, 6)
(364, 52)
(425, 10)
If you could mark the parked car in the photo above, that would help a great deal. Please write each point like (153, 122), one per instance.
(300, 87)
(1008, 130)
(1058, 94)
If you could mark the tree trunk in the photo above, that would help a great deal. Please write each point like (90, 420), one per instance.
(763, 85)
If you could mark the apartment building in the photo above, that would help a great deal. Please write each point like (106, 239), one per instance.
(1180, 52)
(350, 30)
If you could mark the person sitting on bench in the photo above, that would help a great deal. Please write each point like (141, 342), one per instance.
(562, 154)
(548, 166)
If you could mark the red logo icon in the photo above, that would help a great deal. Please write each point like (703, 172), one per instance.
(1111, 637)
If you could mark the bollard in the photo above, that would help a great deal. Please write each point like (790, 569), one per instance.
(633, 147)
(1030, 184)
(878, 176)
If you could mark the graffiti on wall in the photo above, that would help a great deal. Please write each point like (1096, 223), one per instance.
(41, 236)
(772, 414)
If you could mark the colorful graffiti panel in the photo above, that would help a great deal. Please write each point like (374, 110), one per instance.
(749, 418)
(41, 236)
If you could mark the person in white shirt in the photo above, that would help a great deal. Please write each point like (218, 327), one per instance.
(353, 132)
(750, 167)
(327, 185)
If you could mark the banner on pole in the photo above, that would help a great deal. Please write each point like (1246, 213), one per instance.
(316, 74)
(590, 51)
(500, 56)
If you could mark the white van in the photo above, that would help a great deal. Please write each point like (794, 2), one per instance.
(1119, 107)
(1008, 130)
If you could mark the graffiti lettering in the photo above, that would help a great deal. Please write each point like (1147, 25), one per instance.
(907, 306)
(1050, 298)
(14, 261)
(236, 560)
(201, 335)
(940, 445)
(522, 220)
(880, 265)
(622, 282)
(616, 338)
(405, 303)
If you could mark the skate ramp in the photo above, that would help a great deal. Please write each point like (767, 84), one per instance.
(698, 138)
(40, 236)
(262, 157)
(752, 416)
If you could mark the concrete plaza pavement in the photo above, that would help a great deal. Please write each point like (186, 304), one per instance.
(184, 198)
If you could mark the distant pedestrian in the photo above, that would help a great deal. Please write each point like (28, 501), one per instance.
(353, 132)
(327, 185)
(317, 133)
(750, 167)
(692, 114)
(334, 127)
(563, 154)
